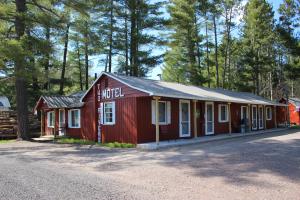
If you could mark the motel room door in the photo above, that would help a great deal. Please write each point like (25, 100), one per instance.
(209, 118)
(62, 122)
(184, 118)
(254, 118)
(260, 117)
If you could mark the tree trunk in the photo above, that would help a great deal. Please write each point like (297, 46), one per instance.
(197, 43)
(110, 35)
(47, 60)
(79, 65)
(62, 78)
(216, 51)
(133, 39)
(21, 84)
(207, 51)
(126, 42)
(86, 55)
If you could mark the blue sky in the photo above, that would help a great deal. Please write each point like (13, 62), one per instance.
(158, 70)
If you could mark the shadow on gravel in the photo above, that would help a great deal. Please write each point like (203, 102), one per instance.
(240, 161)
(237, 161)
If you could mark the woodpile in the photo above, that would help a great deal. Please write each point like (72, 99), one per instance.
(8, 124)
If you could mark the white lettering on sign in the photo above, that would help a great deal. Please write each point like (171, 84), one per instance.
(112, 93)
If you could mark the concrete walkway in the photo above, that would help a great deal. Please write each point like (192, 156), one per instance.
(45, 138)
(203, 139)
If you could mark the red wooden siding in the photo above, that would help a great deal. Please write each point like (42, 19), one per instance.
(294, 114)
(125, 127)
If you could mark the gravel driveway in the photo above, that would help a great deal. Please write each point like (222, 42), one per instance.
(257, 167)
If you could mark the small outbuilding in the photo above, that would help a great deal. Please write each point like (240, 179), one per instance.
(294, 109)
(4, 103)
(138, 110)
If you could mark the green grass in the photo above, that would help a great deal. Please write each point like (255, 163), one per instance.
(295, 127)
(6, 141)
(66, 140)
(74, 141)
(118, 145)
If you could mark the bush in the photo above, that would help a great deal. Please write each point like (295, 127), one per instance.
(118, 145)
(65, 140)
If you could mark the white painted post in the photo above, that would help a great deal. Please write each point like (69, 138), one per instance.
(157, 120)
(229, 118)
(195, 118)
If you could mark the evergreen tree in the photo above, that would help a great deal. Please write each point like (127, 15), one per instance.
(181, 59)
(258, 35)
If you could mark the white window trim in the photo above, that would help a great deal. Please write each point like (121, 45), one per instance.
(69, 118)
(220, 114)
(167, 113)
(180, 118)
(213, 118)
(48, 119)
(260, 119)
(256, 118)
(269, 108)
(113, 113)
(64, 118)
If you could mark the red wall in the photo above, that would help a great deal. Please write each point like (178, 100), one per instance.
(133, 117)
(294, 114)
(125, 128)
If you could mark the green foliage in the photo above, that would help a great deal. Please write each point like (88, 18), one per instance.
(118, 145)
(65, 140)
(6, 141)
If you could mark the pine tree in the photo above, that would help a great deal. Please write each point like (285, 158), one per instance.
(258, 34)
(181, 59)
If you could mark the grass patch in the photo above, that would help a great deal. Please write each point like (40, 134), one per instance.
(6, 141)
(65, 140)
(118, 145)
(295, 127)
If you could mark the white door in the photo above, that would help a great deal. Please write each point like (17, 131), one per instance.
(261, 117)
(254, 118)
(209, 118)
(62, 121)
(184, 118)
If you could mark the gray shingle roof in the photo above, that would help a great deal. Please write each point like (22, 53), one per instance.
(176, 90)
(62, 101)
(168, 89)
(295, 101)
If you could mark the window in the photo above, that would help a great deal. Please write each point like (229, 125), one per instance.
(223, 113)
(50, 119)
(164, 112)
(74, 118)
(269, 113)
(109, 113)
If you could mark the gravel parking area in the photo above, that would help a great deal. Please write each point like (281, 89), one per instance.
(255, 167)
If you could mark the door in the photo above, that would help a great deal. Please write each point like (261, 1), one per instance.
(244, 115)
(261, 117)
(209, 118)
(62, 121)
(254, 118)
(184, 118)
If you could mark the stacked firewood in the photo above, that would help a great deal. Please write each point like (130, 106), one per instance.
(8, 124)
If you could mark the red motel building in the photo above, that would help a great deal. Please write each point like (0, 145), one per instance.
(137, 110)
